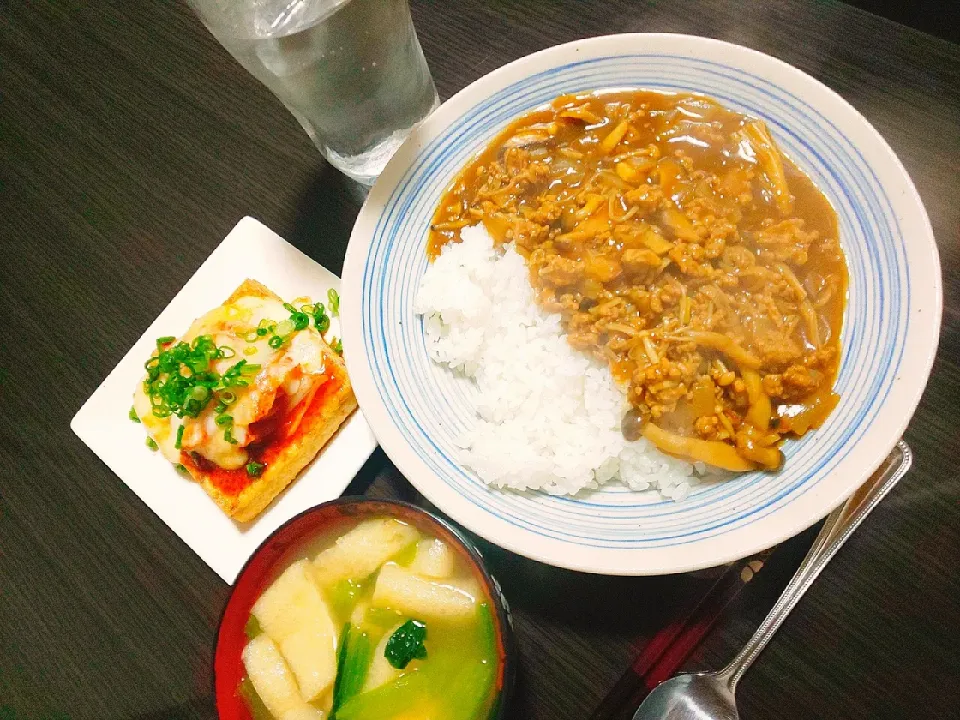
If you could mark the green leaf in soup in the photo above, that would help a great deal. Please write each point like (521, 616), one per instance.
(343, 596)
(382, 618)
(406, 556)
(406, 644)
(258, 711)
(467, 696)
(487, 631)
(388, 700)
(341, 661)
(353, 663)
(252, 628)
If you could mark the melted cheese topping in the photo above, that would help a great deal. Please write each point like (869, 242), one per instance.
(289, 374)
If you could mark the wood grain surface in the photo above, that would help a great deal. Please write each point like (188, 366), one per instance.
(130, 144)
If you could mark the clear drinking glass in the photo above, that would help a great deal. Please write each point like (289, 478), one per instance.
(351, 71)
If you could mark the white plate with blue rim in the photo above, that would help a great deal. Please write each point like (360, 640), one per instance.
(889, 338)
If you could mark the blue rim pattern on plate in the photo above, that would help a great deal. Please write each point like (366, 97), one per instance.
(429, 407)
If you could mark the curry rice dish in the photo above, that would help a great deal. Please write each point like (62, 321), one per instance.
(681, 249)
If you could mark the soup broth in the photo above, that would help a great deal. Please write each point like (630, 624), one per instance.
(377, 621)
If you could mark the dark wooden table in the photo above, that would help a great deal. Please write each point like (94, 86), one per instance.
(131, 143)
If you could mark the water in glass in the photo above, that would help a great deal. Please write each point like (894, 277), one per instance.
(351, 71)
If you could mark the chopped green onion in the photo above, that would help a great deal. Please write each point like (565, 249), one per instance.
(319, 313)
(334, 299)
(300, 320)
(284, 328)
(337, 346)
(228, 436)
(165, 340)
(275, 342)
(250, 350)
(179, 437)
(208, 379)
(232, 377)
(255, 469)
(152, 444)
(204, 344)
(289, 308)
(224, 420)
(250, 336)
(195, 366)
(182, 380)
(181, 467)
(133, 414)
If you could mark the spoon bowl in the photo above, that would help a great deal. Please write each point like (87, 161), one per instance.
(694, 695)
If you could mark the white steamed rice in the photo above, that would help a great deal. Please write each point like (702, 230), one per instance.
(548, 415)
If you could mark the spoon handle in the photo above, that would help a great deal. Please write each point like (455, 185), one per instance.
(837, 528)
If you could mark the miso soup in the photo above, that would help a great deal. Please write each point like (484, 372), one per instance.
(376, 622)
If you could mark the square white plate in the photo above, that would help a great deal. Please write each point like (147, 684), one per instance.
(251, 250)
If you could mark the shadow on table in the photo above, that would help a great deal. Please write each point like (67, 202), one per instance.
(574, 599)
(368, 472)
(202, 707)
(326, 210)
(636, 606)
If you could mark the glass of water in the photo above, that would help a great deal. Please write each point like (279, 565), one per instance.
(351, 71)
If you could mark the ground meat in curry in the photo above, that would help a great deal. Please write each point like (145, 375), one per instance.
(681, 247)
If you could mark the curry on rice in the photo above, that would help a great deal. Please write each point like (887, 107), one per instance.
(683, 249)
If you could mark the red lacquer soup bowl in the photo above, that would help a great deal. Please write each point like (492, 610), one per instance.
(286, 545)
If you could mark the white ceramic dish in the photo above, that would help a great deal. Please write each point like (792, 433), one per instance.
(250, 250)
(889, 339)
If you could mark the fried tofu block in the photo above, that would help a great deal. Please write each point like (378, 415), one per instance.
(361, 551)
(270, 676)
(409, 594)
(434, 559)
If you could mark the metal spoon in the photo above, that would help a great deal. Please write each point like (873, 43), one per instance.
(710, 695)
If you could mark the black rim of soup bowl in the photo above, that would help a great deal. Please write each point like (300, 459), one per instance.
(360, 506)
